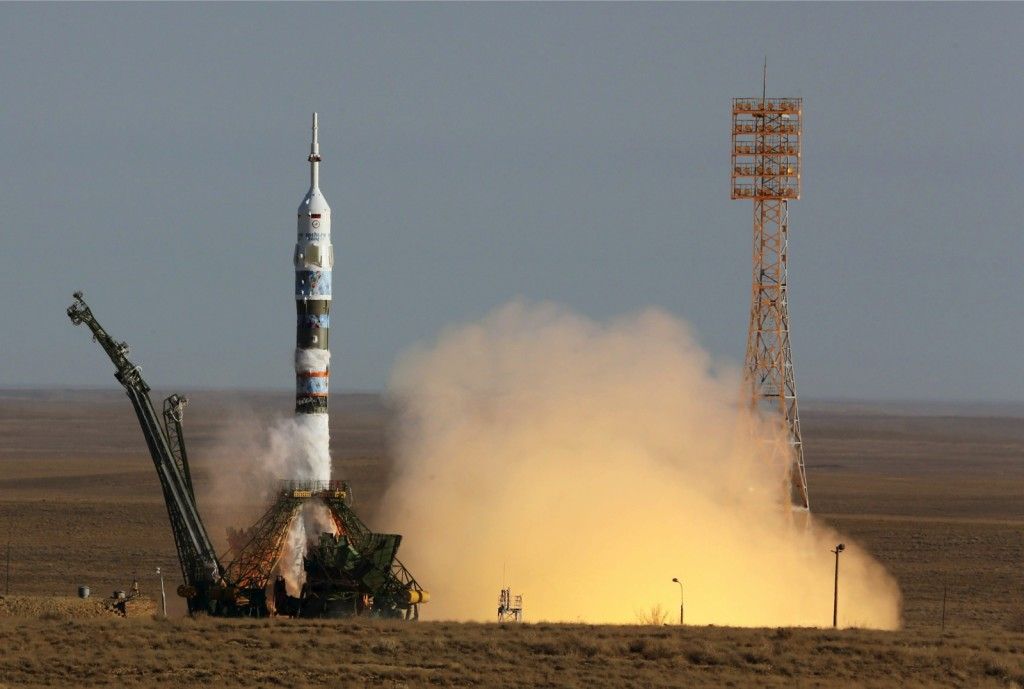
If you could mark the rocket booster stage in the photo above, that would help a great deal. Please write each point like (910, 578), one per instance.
(314, 258)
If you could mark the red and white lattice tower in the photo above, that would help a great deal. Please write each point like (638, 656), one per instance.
(766, 158)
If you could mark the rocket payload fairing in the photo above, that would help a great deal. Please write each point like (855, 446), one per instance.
(314, 258)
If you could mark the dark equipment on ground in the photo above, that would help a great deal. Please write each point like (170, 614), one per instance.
(121, 601)
(354, 572)
(509, 610)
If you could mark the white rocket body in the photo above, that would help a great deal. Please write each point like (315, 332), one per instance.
(314, 259)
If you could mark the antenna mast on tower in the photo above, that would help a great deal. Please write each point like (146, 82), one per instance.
(766, 147)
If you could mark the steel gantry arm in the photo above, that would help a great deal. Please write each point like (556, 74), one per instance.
(199, 563)
(174, 410)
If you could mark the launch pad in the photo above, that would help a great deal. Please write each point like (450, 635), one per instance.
(350, 571)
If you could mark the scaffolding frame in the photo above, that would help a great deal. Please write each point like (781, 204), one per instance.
(766, 168)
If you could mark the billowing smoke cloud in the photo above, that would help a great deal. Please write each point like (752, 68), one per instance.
(592, 463)
(299, 448)
(256, 457)
(252, 452)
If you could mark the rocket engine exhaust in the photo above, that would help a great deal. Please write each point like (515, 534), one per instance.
(597, 461)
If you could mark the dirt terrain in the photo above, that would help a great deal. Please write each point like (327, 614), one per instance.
(68, 607)
(936, 494)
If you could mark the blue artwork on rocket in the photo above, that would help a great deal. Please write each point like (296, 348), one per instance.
(311, 385)
(312, 283)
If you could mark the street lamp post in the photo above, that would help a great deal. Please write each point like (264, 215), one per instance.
(163, 593)
(835, 590)
(676, 580)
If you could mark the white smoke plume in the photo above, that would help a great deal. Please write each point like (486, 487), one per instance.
(290, 566)
(256, 452)
(299, 448)
(296, 448)
(595, 462)
(312, 520)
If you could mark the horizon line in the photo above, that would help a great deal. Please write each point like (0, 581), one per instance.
(812, 400)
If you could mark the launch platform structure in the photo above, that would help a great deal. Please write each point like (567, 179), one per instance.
(353, 571)
(766, 159)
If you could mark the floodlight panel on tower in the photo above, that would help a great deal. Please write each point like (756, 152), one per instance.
(766, 135)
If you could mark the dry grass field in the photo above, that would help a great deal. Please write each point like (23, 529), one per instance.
(936, 494)
(287, 653)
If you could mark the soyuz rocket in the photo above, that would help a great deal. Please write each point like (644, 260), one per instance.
(314, 258)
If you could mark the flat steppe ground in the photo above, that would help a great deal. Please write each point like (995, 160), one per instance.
(936, 494)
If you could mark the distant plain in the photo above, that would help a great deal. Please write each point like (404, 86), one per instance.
(936, 494)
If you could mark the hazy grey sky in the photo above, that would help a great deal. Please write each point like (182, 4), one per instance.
(154, 156)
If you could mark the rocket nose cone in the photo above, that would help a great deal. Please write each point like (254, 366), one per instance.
(314, 202)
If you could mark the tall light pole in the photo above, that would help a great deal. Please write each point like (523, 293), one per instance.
(163, 593)
(7, 578)
(943, 606)
(676, 580)
(835, 591)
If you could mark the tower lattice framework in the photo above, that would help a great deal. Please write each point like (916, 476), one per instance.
(766, 156)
